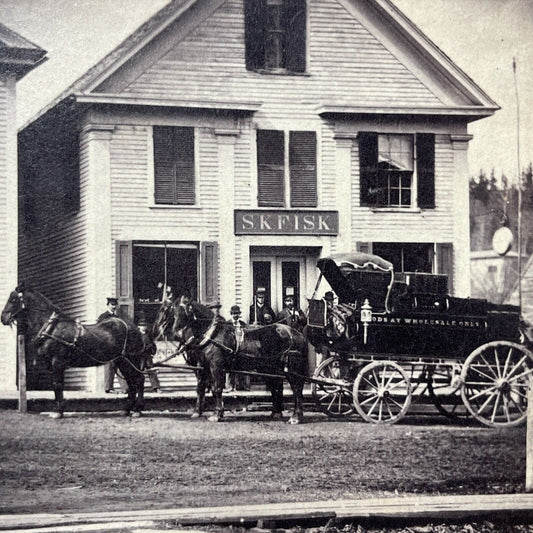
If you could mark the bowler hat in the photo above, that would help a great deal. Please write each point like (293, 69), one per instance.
(143, 322)
(329, 296)
(235, 309)
(112, 301)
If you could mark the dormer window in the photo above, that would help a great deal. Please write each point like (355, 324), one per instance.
(275, 33)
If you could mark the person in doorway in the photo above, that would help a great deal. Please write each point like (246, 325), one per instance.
(237, 381)
(291, 315)
(149, 350)
(260, 312)
(110, 368)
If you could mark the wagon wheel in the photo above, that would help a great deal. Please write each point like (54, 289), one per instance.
(444, 389)
(332, 391)
(382, 392)
(495, 383)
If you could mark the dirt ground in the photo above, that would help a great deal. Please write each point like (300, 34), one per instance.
(92, 462)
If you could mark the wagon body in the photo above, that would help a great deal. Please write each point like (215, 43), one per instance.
(405, 329)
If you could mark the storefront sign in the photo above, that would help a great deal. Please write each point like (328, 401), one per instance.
(286, 222)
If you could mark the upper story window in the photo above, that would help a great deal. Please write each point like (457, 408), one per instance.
(275, 35)
(396, 170)
(174, 165)
(286, 168)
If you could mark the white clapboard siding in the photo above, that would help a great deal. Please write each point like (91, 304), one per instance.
(346, 62)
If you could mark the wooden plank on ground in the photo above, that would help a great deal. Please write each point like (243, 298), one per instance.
(436, 507)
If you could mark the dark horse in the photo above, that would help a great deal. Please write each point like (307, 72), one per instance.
(275, 352)
(62, 342)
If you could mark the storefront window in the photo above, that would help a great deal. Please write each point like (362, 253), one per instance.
(160, 265)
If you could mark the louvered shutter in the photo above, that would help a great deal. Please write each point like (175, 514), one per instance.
(124, 278)
(164, 169)
(209, 262)
(445, 262)
(174, 165)
(302, 163)
(184, 154)
(254, 34)
(295, 28)
(425, 168)
(270, 168)
(368, 167)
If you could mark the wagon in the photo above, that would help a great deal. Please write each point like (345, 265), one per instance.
(392, 338)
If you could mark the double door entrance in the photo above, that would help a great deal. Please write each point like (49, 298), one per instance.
(279, 276)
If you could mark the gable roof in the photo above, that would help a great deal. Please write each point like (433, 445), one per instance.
(82, 90)
(17, 54)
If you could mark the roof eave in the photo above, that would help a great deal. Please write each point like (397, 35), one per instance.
(19, 62)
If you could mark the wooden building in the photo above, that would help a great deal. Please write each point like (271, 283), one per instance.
(17, 57)
(227, 144)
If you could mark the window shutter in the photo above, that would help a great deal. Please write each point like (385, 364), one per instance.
(445, 262)
(302, 163)
(184, 154)
(270, 168)
(368, 167)
(174, 165)
(254, 34)
(295, 17)
(425, 166)
(124, 278)
(209, 257)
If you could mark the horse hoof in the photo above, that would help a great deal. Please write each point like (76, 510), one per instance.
(196, 415)
(295, 420)
(215, 418)
(124, 413)
(136, 414)
(276, 416)
(56, 415)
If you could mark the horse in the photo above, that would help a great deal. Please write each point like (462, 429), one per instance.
(274, 352)
(62, 342)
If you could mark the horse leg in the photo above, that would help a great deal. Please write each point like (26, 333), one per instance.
(58, 383)
(275, 386)
(201, 385)
(135, 382)
(297, 386)
(218, 378)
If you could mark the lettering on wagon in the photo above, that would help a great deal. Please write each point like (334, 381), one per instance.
(457, 323)
(259, 222)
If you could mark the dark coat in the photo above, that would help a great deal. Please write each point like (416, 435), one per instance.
(295, 318)
(104, 315)
(261, 312)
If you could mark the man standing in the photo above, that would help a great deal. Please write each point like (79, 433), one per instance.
(290, 315)
(239, 381)
(261, 313)
(111, 367)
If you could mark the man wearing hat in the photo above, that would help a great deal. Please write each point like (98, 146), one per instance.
(239, 381)
(149, 349)
(290, 315)
(111, 367)
(261, 313)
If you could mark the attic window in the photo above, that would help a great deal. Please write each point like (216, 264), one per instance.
(275, 34)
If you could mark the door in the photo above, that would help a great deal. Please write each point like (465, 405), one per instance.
(279, 276)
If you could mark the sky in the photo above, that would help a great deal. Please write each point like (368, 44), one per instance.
(481, 36)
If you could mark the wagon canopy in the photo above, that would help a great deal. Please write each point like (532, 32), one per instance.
(337, 270)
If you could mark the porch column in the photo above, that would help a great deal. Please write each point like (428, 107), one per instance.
(95, 140)
(461, 216)
(343, 160)
(226, 183)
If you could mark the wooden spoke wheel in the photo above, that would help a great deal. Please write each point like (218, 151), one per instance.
(332, 391)
(495, 383)
(444, 390)
(382, 392)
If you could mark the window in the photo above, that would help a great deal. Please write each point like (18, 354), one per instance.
(397, 170)
(174, 165)
(286, 168)
(275, 34)
(406, 257)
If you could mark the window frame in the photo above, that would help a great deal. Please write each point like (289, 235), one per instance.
(417, 174)
(287, 197)
(151, 169)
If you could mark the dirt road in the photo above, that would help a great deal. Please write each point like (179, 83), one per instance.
(98, 462)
